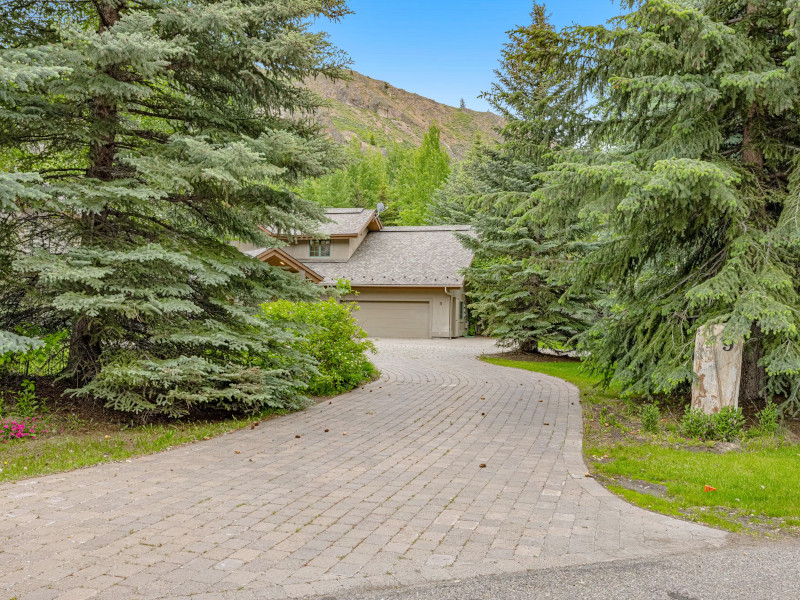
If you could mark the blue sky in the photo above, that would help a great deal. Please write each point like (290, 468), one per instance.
(444, 49)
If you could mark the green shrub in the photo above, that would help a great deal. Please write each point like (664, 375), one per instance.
(768, 419)
(650, 415)
(728, 423)
(328, 333)
(49, 357)
(27, 403)
(697, 424)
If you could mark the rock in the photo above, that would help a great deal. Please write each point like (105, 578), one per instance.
(718, 367)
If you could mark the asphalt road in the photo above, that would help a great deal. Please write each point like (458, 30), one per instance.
(763, 570)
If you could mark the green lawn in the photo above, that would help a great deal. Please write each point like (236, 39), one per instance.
(76, 445)
(757, 488)
(571, 371)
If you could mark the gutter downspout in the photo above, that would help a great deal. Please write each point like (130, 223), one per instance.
(451, 319)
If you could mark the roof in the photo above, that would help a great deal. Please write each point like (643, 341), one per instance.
(343, 222)
(347, 221)
(280, 258)
(403, 256)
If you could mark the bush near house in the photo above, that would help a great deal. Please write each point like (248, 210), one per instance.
(328, 333)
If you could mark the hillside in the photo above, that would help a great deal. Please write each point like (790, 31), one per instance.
(369, 109)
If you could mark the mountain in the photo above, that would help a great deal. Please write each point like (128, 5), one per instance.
(376, 112)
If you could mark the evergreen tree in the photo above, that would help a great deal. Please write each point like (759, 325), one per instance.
(462, 105)
(459, 198)
(516, 286)
(144, 135)
(685, 117)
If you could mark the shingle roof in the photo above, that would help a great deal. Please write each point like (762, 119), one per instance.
(343, 222)
(403, 256)
(347, 221)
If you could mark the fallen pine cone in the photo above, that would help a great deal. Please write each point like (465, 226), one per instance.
(297, 436)
(327, 430)
(237, 451)
(482, 465)
(545, 423)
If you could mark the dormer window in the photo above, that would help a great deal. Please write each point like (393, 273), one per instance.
(319, 248)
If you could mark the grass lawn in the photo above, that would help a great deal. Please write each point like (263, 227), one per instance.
(74, 442)
(757, 483)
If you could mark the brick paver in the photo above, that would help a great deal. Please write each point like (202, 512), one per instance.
(392, 494)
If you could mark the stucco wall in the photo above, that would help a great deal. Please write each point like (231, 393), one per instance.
(340, 250)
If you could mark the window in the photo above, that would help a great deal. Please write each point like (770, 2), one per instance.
(462, 311)
(319, 248)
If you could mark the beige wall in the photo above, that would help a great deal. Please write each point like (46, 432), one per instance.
(444, 316)
(340, 251)
(356, 242)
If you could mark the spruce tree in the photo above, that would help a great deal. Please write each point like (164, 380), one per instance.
(138, 138)
(684, 118)
(459, 198)
(516, 286)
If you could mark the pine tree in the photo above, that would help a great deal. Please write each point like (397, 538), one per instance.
(685, 122)
(144, 135)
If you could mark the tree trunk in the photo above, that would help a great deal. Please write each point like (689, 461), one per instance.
(529, 346)
(752, 381)
(751, 153)
(85, 345)
(753, 376)
(84, 351)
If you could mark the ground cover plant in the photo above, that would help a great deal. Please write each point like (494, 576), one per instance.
(654, 458)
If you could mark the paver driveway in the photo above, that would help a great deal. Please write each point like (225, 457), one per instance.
(400, 499)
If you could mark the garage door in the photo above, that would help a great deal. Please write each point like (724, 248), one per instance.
(395, 319)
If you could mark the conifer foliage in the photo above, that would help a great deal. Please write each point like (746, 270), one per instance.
(137, 137)
(684, 122)
(517, 285)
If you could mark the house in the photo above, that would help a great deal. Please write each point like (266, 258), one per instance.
(407, 280)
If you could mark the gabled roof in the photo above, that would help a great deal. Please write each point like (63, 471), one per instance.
(279, 258)
(403, 256)
(350, 222)
(341, 223)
